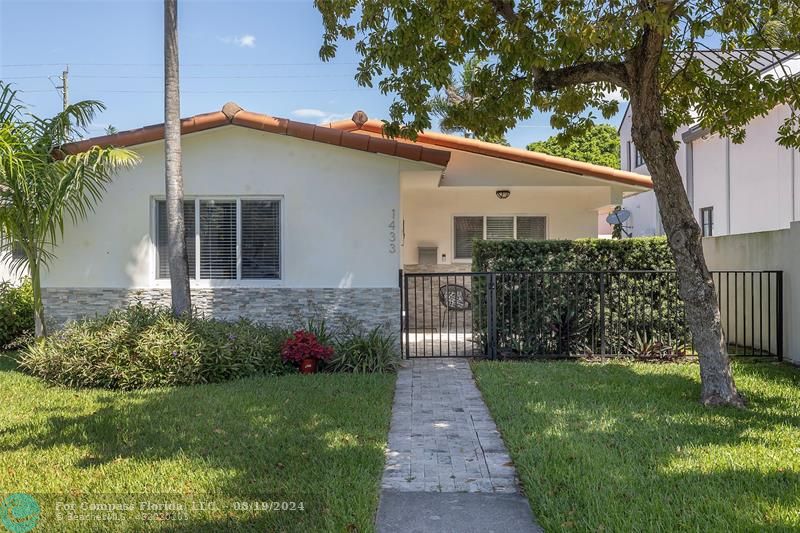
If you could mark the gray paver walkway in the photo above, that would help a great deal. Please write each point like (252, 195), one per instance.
(443, 440)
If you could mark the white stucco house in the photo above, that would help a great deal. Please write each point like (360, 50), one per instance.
(733, 188)
(285, 218)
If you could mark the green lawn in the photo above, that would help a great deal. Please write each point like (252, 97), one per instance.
(316, 439)
(628, 447)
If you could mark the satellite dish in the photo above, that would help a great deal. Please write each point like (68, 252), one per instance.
(618, 217)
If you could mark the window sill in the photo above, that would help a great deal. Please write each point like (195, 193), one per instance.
(224, 283)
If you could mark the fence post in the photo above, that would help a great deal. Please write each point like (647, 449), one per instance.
(779, 312)
(491, 315)
(602, 313)
(405, 318)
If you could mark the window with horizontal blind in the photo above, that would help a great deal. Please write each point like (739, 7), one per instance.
(217, 239)
(499, 228)
(468, 228)
(162, 267)
(532, 228)
(261, 230)
(236, 239)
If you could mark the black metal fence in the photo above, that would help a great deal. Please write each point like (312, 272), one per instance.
(530, 314)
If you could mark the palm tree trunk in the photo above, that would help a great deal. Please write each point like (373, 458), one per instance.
(38, 306)
(176, 242)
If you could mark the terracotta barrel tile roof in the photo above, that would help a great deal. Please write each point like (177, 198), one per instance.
(360, 133)
(359, 124)
(233, 114)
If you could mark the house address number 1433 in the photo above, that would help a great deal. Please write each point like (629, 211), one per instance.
(393, 233)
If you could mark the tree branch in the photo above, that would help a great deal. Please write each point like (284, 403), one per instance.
(578, 74)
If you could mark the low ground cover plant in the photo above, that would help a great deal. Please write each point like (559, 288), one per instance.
(143, 347)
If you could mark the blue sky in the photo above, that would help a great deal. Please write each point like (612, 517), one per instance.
(263, 55)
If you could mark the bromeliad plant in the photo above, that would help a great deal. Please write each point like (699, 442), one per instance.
(43, 186)
(303, 345)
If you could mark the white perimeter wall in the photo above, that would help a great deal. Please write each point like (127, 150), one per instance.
(769, 250)
(337, 208)
(428, 212)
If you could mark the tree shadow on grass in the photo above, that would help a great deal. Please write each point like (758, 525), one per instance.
(618, 446)
(317, 439)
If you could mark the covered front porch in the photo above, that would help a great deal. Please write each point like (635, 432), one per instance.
(482, 197)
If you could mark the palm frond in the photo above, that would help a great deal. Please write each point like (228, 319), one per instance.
(9, 105)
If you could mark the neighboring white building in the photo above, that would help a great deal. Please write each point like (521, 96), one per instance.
(733, 188)
(286, 218)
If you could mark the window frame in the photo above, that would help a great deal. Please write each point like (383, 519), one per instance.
(489, 215)
(710, 211)
(638, 160)
(204, 283)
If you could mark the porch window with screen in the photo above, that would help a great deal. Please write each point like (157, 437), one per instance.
(466, 230)
(707, 221)
(236, 239)
(469, 228)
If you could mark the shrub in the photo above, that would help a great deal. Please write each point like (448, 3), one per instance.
(363, 352)
(141, 347)
(16, 313)
(304, 345)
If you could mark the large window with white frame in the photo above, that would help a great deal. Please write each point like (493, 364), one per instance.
(490, 227)
(226, 238)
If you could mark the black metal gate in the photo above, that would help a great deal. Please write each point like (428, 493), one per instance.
(557, 314)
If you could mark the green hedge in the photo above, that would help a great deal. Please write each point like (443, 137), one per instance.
(645, 253)
(548, 296)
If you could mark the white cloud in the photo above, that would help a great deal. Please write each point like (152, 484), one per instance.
(242, 41)
(616, 94)
(322, 117)
(309, 113)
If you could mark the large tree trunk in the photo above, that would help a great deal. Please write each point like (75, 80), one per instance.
(696, 286)
(178, 261)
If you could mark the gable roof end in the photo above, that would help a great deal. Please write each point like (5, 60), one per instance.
(233, 114)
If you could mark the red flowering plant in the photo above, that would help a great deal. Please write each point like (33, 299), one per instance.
(304, 345)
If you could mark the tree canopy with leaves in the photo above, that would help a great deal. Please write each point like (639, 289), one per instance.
(564, 57)
(42, 188)
(443, 103)
(599, 144)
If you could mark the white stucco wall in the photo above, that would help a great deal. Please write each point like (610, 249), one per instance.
(753, 186)
(769, 250)
(337, 208)
(428, 212)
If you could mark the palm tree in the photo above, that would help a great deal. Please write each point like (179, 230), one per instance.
(176, 242)
(40, 185)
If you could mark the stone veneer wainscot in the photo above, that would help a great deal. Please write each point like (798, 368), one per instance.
(283, 306)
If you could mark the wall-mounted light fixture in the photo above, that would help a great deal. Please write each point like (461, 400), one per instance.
(503, 193)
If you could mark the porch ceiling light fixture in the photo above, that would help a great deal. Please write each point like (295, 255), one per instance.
(503, 193)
